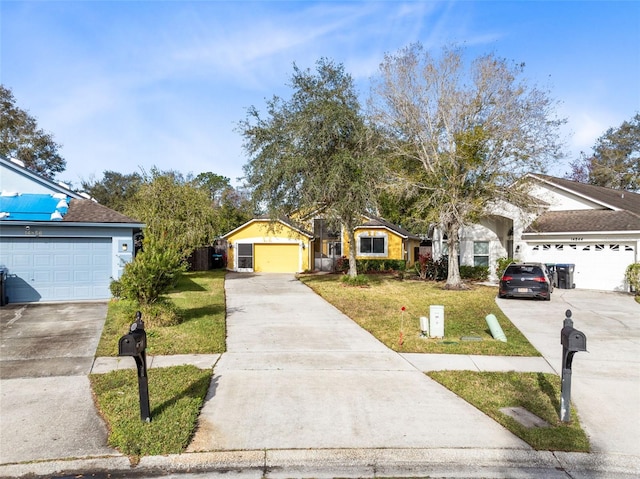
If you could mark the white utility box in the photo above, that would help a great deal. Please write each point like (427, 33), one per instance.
(436, 321)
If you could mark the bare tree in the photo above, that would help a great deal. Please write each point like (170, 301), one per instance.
(460, 135)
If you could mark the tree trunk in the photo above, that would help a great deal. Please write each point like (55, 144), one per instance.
(454, 281)
(351, 239)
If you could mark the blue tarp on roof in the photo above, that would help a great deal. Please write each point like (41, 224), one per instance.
(33, 207)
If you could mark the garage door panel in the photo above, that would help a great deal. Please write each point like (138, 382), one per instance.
(56, 268)
(597, 265)
(276, 258)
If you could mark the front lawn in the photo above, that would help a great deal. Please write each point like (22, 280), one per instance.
(377, 307)
(538, 393)
(200, 302)
(176, 395)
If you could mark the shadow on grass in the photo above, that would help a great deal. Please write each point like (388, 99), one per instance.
(193, 391)
(191, 314)
(187, 283)
(547, 388)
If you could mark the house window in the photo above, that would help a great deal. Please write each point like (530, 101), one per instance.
(599, 247)
(481, 253)
(335, 249)
(372, 245)
(614, 247)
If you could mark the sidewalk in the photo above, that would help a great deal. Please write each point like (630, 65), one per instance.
(302, 391)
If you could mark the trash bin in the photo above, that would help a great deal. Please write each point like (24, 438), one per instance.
(217, 261)
(565, 276)
(552, 273)
(3, 281)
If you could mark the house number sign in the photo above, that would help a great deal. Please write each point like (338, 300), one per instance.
(577, 239)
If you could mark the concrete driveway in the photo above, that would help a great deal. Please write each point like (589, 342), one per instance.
(46, 353)
(606, 379)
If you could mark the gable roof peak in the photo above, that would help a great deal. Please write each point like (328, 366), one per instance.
(608, 197)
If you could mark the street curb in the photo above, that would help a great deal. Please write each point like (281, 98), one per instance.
(361, 463)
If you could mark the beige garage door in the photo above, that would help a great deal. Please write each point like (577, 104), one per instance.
(276, 258)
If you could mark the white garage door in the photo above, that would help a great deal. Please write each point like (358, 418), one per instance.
(56, 269)
(597, 265)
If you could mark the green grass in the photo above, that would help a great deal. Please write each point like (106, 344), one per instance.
(200, 303)
(536, 392)
(377, 307)
(176, 396)
(177, 393)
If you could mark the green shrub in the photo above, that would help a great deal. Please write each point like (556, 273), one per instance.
(372, 265)
(632, 275)
(152, 273)
(161, 313)
(474, 273)
(115, 287)
(429, 269)
(501, 265)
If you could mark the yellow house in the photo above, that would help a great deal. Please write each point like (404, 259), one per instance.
(376, 238)
(264, 245)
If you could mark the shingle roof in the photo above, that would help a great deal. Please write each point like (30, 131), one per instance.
(618, 199)
(377, 222)
(620, 210)
(88, 211)
(575, 221)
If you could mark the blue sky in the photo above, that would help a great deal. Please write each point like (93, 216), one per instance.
(128, 85)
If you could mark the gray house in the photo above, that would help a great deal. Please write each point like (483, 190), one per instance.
(594, 229)
(57, 244)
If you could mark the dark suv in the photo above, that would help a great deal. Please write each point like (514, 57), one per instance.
(525, 280)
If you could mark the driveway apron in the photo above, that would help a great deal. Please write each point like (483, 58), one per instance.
(605, 383)
(47, 411)
(300, 374)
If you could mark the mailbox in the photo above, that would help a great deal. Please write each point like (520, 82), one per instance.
(135, 344)
(132, 344)
(572, 339)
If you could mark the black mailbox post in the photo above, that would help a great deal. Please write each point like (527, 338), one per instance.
(135, 344)
(572, 341)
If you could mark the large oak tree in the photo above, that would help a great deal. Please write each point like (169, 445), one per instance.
(459, 135)
(313, 151)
